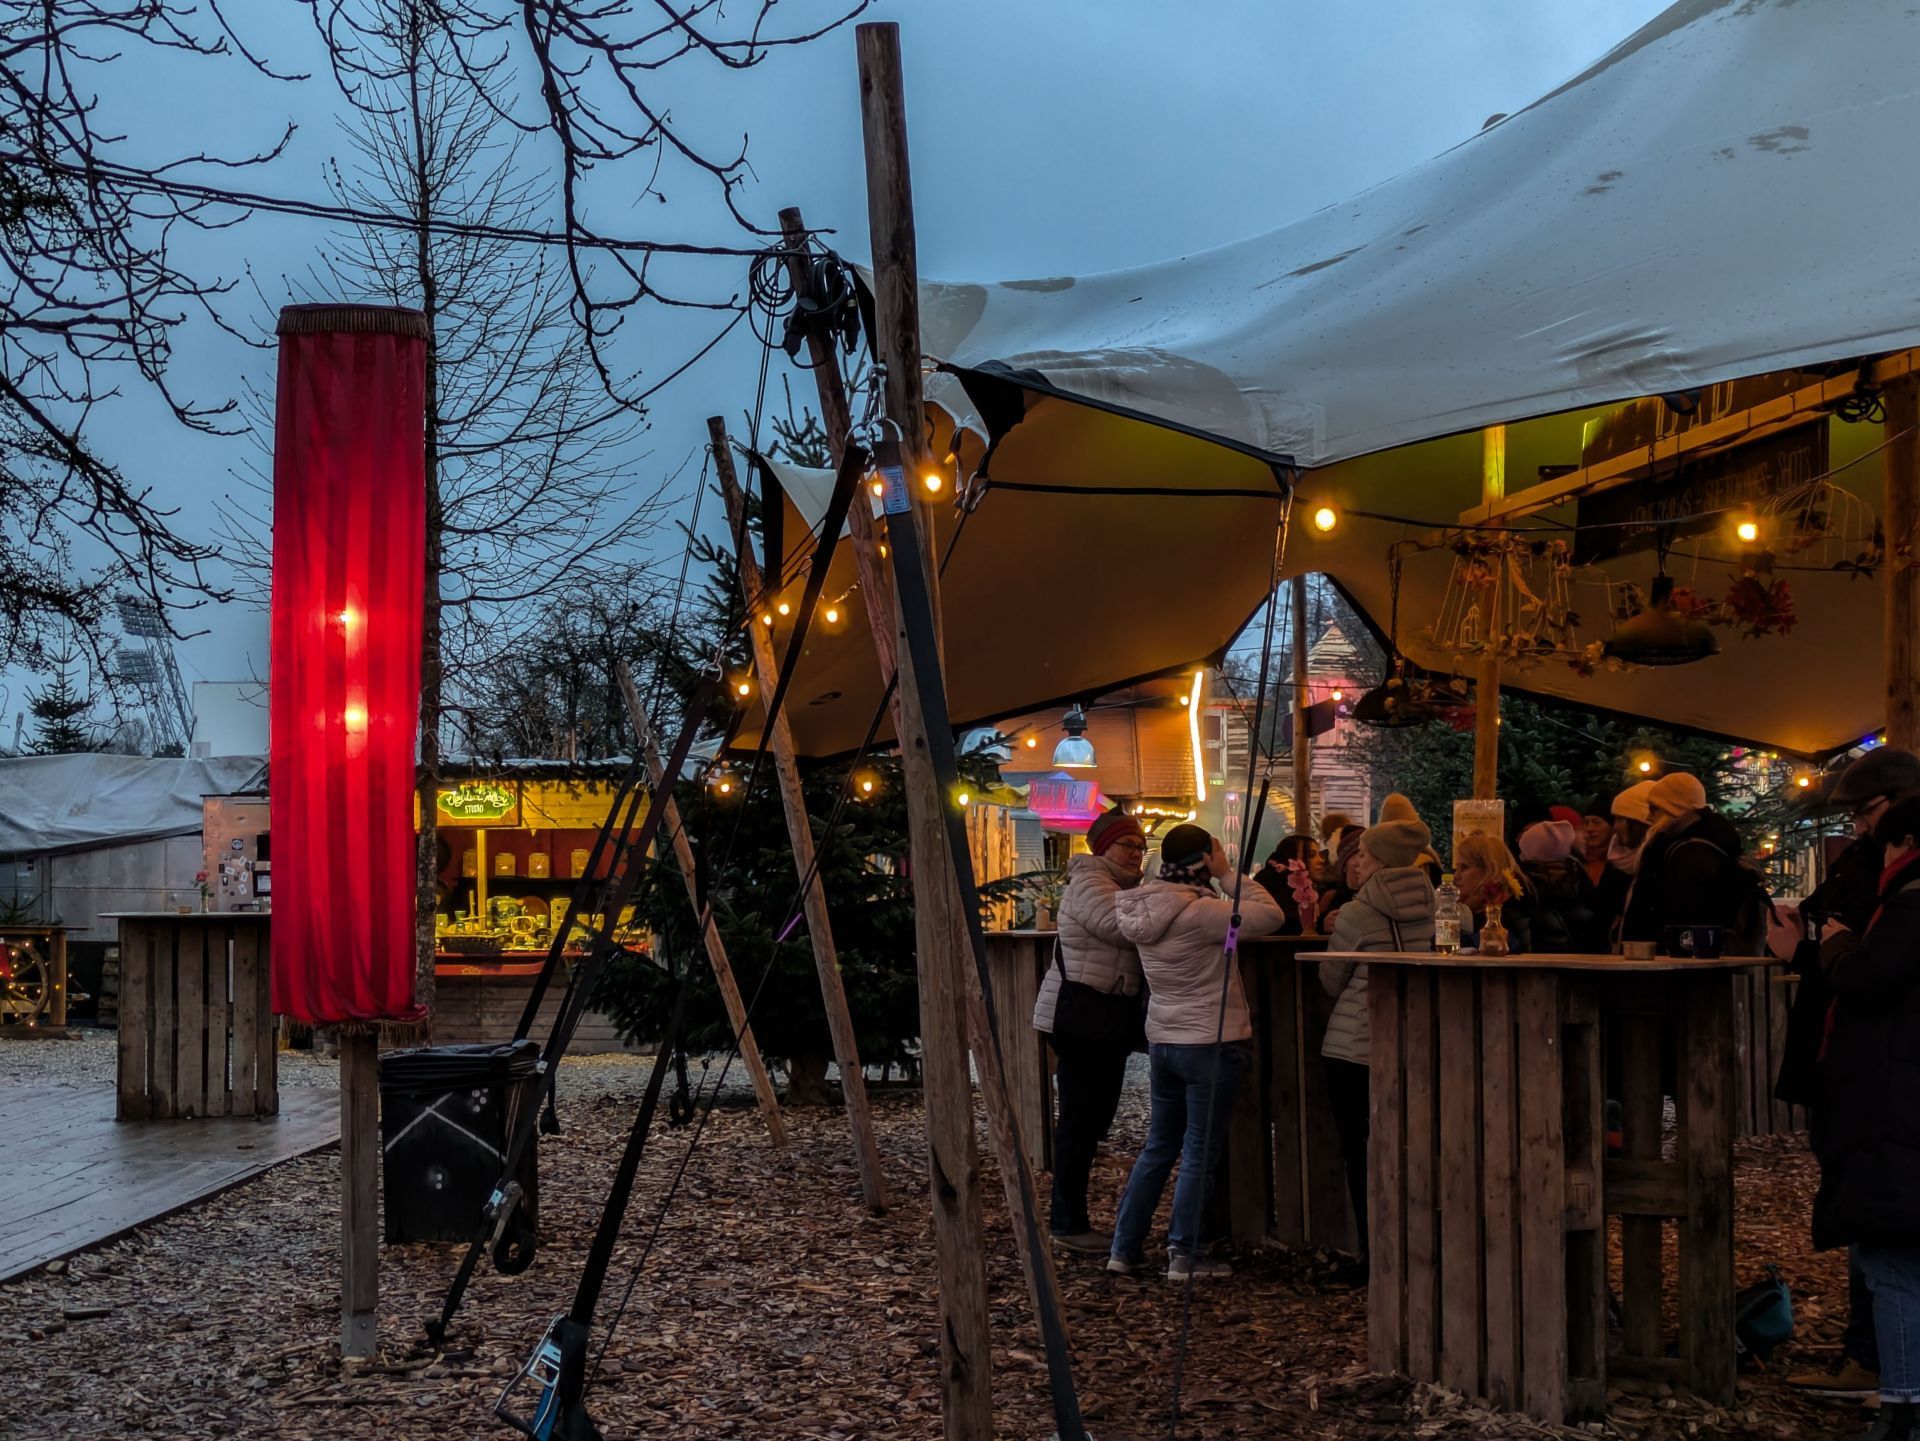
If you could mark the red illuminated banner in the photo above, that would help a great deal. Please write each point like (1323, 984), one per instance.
(349, 557)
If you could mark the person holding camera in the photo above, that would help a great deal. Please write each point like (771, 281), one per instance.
(1849, 894)
(1867, 1133)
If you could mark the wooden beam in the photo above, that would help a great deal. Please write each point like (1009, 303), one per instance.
(359, 1191)
(1749, 424)
(1486, 700)
(703, 914)
(1899, 510)
(826, 961)
(1302, 743)
(953, 1165)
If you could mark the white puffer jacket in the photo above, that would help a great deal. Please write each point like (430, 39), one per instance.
(1181, 932)
(1401, 895)
(1092, 949)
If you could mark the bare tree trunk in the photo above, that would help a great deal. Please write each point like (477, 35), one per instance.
(427, 857)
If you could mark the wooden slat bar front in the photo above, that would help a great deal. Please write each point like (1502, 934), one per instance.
(1489, 1179)
(196, 1018)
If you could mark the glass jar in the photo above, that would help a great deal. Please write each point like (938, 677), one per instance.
(1493, 935)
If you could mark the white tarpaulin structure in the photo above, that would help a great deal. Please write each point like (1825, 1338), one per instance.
(1725, 193)
(58, 802)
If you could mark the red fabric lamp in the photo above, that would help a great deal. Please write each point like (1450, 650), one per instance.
(349, 565)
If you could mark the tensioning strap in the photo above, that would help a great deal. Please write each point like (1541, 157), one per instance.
(923, 653)
(633, 860)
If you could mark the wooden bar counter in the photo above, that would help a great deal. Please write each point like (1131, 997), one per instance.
(1490, 1185)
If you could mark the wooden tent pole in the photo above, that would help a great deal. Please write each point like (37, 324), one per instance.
(826, 960)
(1900, 510)
(1302, 743)
(703, 914)
(1486, 705)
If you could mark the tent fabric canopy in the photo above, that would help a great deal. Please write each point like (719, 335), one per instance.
(57, 802)
(1715, 198)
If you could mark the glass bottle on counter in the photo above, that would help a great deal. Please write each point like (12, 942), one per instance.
(1446, 917)
(1493, 935)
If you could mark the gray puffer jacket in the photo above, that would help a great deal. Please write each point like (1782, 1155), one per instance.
(1181, 931)
(1091, 947)
(1402, 895)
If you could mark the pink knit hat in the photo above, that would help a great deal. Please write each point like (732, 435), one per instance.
(1548, 841)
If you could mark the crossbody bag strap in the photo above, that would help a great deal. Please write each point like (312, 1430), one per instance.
(1394, 926)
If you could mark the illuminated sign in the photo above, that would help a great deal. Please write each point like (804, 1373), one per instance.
(478, 803)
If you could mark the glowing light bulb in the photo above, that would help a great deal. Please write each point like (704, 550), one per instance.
(725, 788)
(1186, 699)
(1646, 767)
(964, 798)
(348, 616)
(1325, 519)
(832, 616)
(743, 688)
(784, 608)
(866, 787)
(883, 550)
(932, 480)
(879, 486)
(1033, 742)
(1337, 694)
(356, 717)
(766, 617)
(1803, 781)
(1747, 530)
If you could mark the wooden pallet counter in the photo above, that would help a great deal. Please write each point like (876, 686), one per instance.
(1490, 1185)
(196, 1016)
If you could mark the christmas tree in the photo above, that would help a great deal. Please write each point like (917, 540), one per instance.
(59, 717)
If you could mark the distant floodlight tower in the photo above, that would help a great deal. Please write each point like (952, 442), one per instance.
(146, 663)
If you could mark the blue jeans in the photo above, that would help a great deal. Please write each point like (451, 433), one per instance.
(1183, 1080)
(1893, 1276)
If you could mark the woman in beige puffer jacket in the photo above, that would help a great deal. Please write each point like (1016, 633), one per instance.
(1197, 1053)
(1391, 910)
(1090, 1071)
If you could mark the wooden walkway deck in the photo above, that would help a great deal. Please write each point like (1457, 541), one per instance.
(71, 1176)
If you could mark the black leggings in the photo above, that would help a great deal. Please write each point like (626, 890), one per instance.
(1347, 1087)
(1090, 1077)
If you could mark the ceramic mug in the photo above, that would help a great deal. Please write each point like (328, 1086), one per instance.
(1703, 941)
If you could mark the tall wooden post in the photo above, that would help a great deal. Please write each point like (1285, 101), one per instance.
(703, 914)
(359, 1191)
(1899, 512)
(826, 962)
(1486, 707)
(1302, 743)
(953, 1165)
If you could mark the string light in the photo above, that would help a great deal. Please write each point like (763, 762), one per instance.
(1033, 742)
(1645, 767)
(1185, 699)
(879, 486)
(743, 687)
(1337, 694)
(964, 798)
(831, 615)
(784, 608)
(1325, 519)
(356, 717)
(933, 480)
(1803, 780)
(766, 617)
(1748, 531)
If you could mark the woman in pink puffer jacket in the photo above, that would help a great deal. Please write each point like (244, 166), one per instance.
(1199, 1035)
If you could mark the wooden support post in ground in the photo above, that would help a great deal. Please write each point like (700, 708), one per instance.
(826, 961)
(703, 916)
(1302, 743)
(1899, 512)
(359, 1191)
(1486, 706)
(876, 586)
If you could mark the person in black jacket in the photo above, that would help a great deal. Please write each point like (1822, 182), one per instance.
(1566, 914)
(1868, 1136)
(1850, 892)
(1690, 872)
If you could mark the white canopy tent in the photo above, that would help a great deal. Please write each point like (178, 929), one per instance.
(1721, 195)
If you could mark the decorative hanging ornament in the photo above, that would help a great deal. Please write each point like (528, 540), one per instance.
(1661, 634)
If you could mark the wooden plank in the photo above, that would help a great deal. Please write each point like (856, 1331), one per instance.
(267, 1063)
(57, 959)
(1583, 1072)
(1646, 1188)
(1422, 1262)
(246, 1022)
(1249, 1178)
(1640, 1238)
(1706, 1233)
(219, 1022)
(165, 1034)
(1540, 1164)
(1779, 1004)
(1743, 1000)
(1286, 1056)
(1499, 1089)
(190, 1073)
(359, 1192)
(1607, 965)
(1460, 1245)
(132, 1101)
(1386, 1162)
(1759, 1086)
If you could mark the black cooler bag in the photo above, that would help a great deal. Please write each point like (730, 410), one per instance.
(446, 1113)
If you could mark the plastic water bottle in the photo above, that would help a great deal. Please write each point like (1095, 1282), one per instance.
(1446, 917)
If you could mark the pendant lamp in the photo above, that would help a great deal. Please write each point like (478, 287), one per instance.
(1075, 752)
(1659, 636)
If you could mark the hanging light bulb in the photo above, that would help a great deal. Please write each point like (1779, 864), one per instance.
(1336, 694)
(879, 486)
(724, 785)
(1803, 780)
(1076, 751)
(1325, 518)
(831, 615)
(1748, 530)
(1185, 699)
(743, 687)
(866, 785)
(1033, 742)
(964, 799)
(766, 617)
(933, 480)
(784, 608)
